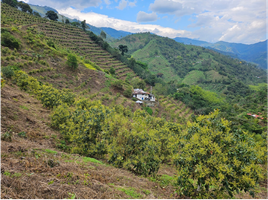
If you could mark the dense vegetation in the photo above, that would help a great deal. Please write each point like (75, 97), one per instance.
(211, 156)
(203, 79)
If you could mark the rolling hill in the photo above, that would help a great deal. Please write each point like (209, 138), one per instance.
(190, 64)
(255, 53)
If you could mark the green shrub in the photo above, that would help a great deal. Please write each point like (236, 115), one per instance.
(51, 44)
(149, 110)
(10, 41)
(8, 71)
(128, 92)
(214, 155)
(72, 61)
(112, 70)
(118, 84)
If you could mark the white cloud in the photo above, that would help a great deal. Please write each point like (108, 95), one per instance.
(122, 5)
(63, 4)
(146, 17)
(228, 20)
(212, 20)
(100, 20)
(132, 4)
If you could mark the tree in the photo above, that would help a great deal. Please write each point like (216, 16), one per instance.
(67, 21)
(123, 49)
(83, 24)
(72, 61)
(52, 15)
(75, 24)
(36, 14)
(103, 34)
(13, 3)
(213, 153)
(112, 70)
(25, 7)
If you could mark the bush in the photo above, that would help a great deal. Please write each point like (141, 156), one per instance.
(149, 110)
(112, 70)
(214, 155)
(72, 61)
(8, 71)
(10, 41)
(51, 44)
(128, 92)
(118, 84)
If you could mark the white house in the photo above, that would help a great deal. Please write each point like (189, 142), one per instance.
(142, 95)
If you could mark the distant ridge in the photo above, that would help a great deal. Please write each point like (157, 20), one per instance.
(117, 34)
(255, 53)
(42, 9)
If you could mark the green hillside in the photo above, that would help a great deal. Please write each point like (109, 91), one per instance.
(190, 64)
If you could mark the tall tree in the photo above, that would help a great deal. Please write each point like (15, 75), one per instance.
(123, 49)
(13, 3)
(103, 34)
(36, 14)
(83, 24)
(67, 21)
(25, 7)
(52, 15)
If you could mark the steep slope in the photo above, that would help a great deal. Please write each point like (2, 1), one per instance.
(33, 165)
(72, 38)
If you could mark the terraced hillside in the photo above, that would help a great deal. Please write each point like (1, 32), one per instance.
(177, 110)
(48, 65)
(69, 37)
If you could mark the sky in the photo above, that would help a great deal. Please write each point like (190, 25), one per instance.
(238, 21)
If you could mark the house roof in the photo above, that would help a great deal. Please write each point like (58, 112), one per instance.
(139, 91)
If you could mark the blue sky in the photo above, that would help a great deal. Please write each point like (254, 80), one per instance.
(211, 20)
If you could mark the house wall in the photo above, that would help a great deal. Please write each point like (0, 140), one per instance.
(142, 96)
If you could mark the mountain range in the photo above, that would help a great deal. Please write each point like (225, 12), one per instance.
(255, 53)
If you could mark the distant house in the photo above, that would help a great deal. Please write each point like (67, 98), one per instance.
(255, 116)
(142, 95)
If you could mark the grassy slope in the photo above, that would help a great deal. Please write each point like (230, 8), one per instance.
(32, 166)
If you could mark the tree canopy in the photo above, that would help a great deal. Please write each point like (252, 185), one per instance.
(36, 14)
(12, 3)
(25, 7)
(83, 24)
(123, 49)
(52, 15)
(103, 34)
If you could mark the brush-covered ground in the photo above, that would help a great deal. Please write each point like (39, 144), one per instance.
(33, 167)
